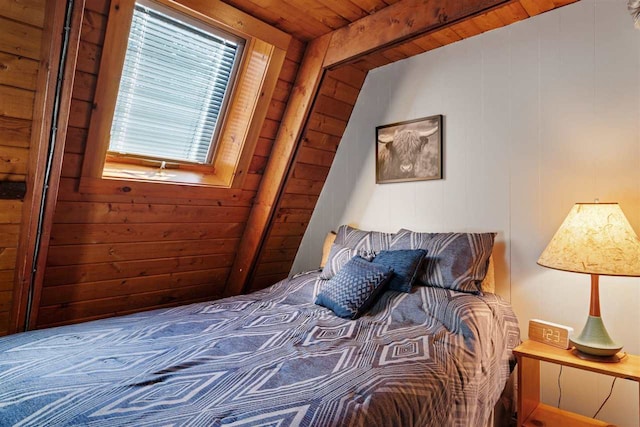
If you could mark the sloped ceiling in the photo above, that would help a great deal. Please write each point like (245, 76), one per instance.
(309, 19)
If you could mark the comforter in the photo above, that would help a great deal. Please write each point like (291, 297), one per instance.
(433, 357)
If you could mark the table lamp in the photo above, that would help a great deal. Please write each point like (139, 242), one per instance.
(596, 239)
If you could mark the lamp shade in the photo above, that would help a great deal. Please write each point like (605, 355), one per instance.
(595, 238)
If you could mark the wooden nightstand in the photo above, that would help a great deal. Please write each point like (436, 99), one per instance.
(533, 413)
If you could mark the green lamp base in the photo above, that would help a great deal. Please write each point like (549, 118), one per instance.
(595, 343)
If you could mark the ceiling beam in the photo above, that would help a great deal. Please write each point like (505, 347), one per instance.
(293, 122)
(400, 22)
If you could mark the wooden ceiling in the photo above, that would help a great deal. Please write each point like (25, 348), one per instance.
(309, 19)
(329, 79)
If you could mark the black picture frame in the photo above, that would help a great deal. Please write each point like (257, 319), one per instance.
(410, 150)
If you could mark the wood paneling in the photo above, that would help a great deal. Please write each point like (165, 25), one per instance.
(6, 280)
(98, 253)
(10, 211)
(284, 15)
(89, 57)
(305, 186)
(51, 118)
(60, 314)
(280, 254)
(9, 235)
(123, 252)
(15, 132)
(307, 20)
(18, 71)
(240, 22)
(310, 172)
(64, 294)
(26, 11)
(69, 234)
(80, 273)
(98, 212)
(84, 87)
(307, 174)
(4, 322)
(7, 258)
(13, 161)
(498, 17)
(69, 192)
(307, 82)
(21, 25)
(7, 275)
(93, 27)
(16, 103)
(6, 297)
(402, 21)
(19, 39)
(100, 6)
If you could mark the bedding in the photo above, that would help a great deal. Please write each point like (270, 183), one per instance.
(350, 292)
(405, 264)
(430, 357)
(457, 261)
(339, 256)
(368, 241)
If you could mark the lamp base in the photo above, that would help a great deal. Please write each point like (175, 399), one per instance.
(590, 357)
(594, 340)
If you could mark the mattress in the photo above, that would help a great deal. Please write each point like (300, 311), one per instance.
(432, 357)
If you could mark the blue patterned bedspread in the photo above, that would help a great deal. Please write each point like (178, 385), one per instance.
(433, 357)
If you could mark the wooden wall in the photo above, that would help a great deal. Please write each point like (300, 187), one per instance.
(116, 254)
(329, 116)
(21, 27)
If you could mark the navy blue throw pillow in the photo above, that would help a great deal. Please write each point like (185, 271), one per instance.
(405, 264)
(354, 288)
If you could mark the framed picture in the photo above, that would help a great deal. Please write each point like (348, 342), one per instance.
(409, 151)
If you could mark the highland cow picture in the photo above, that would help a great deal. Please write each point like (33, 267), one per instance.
(409, 151)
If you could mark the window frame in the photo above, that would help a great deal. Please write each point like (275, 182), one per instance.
(216, 30)
(264, 54)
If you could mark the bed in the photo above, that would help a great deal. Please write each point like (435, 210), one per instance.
(431, 356)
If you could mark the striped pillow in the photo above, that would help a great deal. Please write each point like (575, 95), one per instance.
(456, 261)
(340, 255)
(367, 241)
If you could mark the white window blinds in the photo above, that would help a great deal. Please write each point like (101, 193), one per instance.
(175, 81)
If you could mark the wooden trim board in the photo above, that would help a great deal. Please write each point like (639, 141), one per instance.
(294, 120)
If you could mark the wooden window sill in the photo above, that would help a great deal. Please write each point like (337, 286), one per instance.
(131, 179)
(133, 172)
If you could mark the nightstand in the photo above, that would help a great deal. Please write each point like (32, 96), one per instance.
(533, 413)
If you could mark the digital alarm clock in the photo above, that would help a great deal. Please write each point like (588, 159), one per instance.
(550, 333)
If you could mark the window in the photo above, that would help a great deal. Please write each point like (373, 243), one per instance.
(181, 96)
(175, 82)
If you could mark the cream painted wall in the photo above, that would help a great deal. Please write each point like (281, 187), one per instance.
(538, 115)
